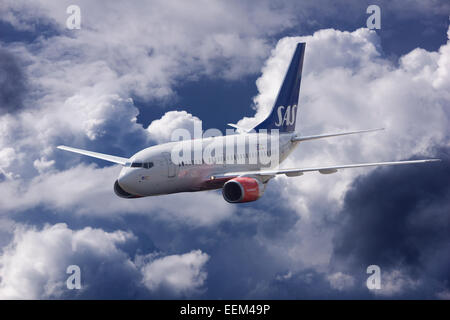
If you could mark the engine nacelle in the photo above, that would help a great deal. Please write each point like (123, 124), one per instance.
(242, 189)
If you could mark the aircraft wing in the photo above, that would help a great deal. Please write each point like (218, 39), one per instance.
(321, 136)
(324, 170)
(97, 155)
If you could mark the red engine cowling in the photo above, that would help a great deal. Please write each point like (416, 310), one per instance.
(242, 189)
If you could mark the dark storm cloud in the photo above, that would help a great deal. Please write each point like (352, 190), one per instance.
(399, 219)
(12, 83)
(236, 251)
(239, 261)
(404, 24)
(396, 218)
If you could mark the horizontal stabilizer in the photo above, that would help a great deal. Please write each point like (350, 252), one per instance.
(244, 130)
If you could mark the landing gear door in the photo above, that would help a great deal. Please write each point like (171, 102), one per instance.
(171, 167)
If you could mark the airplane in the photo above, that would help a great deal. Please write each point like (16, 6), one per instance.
(154, 171)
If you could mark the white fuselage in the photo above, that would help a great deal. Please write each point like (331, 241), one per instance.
(158, 171)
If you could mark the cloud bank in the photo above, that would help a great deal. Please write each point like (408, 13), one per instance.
(298, 241)
(33, 266)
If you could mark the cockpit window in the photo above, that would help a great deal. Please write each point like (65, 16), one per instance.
(136, 165)
(148, 165)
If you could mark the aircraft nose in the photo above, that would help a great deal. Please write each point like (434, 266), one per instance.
(125, 185)
(125, 179)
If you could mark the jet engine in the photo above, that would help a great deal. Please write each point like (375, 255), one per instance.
(242, 189)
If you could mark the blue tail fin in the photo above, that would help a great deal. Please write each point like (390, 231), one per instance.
(284, 111)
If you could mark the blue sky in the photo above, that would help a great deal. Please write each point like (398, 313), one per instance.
(135, 72)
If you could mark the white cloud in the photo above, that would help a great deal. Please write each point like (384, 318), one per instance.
(81, 81)
(80, 90)
(34, 264)
(88, 190)
(7, 155)
(370, 89)
(341, 281)
(282, 277)
(180, 274)
(81, 84)
(395, 282)
(443, 295)
(161, 130)
(348, 84)
(43, 164)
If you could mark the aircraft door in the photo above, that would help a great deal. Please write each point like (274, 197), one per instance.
(171, 167)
